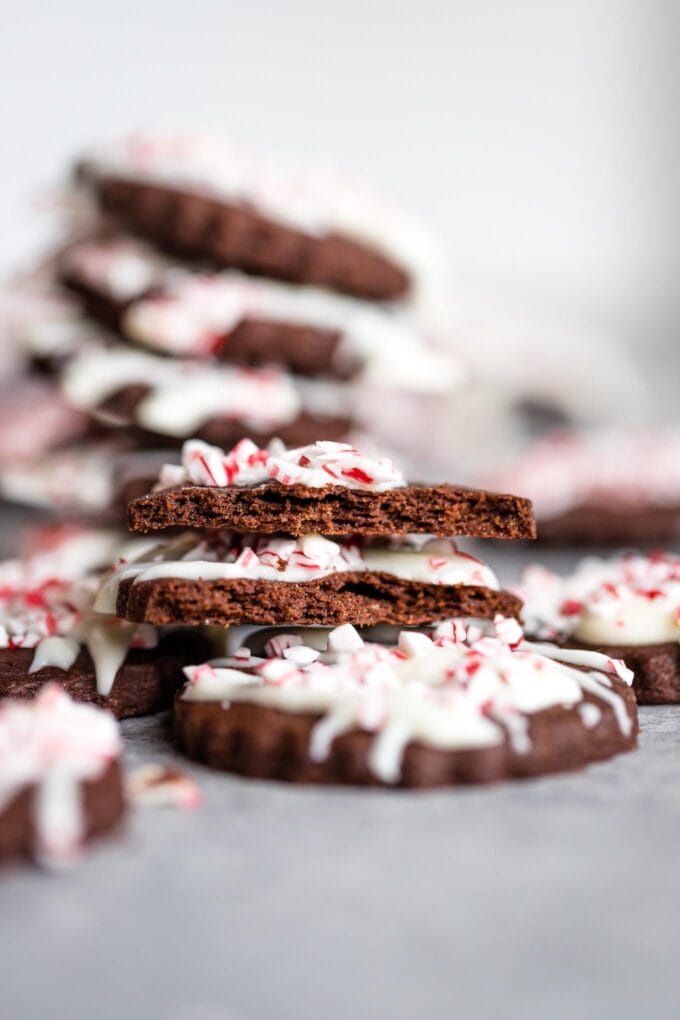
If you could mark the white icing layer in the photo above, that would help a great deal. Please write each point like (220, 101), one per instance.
(315, 465)
(183, 395)
(627, 600)
(56, 745)
(226, 557)
(463, 688)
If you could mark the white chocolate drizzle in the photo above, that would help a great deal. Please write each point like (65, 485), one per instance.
(464, 687)
(46, 606)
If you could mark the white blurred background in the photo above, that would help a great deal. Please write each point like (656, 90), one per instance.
(540, 137)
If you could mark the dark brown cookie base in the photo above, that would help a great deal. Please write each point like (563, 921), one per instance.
(197, 227)
(103, 810)
(266, 743)
(311, 352)
(362, 598)
(656, 669)
(334, 510)
(224, 432)
(146, 683)
(612, 527)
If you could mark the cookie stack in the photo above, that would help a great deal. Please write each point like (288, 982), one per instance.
(198, 292)
(316, 542)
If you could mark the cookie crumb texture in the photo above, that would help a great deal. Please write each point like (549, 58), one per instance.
(266, 743)
(272, 508)
(362, 598)
(198, 227)
(102, 810)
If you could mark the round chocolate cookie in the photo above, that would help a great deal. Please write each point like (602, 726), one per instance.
(60, 777)
(268, 744)
(103, 807)
(195, 226)
(146, 682)
(626, 607)
(431, 712)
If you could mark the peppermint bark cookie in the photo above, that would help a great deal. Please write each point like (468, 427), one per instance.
(49, 632)
(607, 488)
(627, 607)
(123, 284)
(325, 487)
(199, 199)
(227, 580)
(60, 777)
(466, 707)
(164, 401)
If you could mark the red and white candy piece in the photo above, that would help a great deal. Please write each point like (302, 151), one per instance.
(316, 465)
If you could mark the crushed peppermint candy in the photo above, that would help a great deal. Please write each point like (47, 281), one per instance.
(163, 786)
(315, 465)
(38, 600)
(464, 686)
(629, 599)
(54, 744)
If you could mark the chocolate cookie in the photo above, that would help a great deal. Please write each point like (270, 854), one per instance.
(656, 668)
(606, 487)
(163, 401)
(103, 807)
(61, 778)
(362, 598)
(612, 525)
(627, 607)
(305, 350)
(407, 717)
(145, 684)
(195, 226)
(336, 510)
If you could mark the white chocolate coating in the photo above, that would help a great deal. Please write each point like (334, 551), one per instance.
(453, 692)
(627, 600)
(56, 745)
(293, 560)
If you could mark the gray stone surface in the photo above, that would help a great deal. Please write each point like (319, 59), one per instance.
(546, 899)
